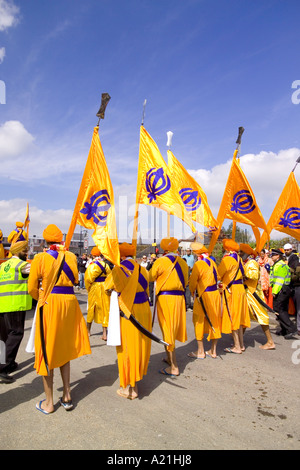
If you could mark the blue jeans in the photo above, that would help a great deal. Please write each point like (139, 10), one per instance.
(81, 280)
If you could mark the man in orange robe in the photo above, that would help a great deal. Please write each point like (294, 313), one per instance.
(98, 302)
(65, 335)
(235, 308)
(171, 275)
(130, 281)
(203, 284)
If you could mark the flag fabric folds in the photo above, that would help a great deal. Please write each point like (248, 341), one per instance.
(286, 214)
(155, 186)
(95, 207)
(238, 203)
(192, 196)
(27, 219)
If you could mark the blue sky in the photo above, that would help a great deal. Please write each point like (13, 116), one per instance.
(204, 67)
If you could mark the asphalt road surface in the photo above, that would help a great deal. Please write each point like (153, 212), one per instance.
(234, 402)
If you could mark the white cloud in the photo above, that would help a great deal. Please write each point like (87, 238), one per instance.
(14, 210)
(8, 14)
(266, 172)
(14, 139)
(2, 54)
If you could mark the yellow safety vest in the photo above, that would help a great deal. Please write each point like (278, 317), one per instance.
(14, 295)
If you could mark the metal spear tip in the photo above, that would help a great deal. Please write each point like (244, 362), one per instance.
(104, 101)
(169, 136)
(298, 160)
(239, 139)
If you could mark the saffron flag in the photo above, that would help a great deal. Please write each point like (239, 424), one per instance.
(238, 203)
(95, 207)
(286, 214)
(154, 183)
(192, 196)
(27, 219)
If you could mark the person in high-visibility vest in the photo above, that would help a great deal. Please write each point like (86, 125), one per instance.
(280, 279)
(14, 302)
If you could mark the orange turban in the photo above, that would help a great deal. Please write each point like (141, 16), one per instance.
(230, 245)
(198, 248)
(247, 249)
(169, 244)
(18, 247)
(19, 224)
(127, 249)
(52, 234)
(95, 251)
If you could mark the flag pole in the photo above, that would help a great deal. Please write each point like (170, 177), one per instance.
(104, 101)
(136, 214)
(169, 143)
(236, 155)
(297, 161)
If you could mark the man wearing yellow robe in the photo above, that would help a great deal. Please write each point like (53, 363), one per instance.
(203, 284)
(98, 302)
(251, 279)
(235, 315)
(18, 234)
(130, 281)
(171, 275)
(65, 335)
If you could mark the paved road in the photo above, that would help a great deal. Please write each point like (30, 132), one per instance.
(233, 402)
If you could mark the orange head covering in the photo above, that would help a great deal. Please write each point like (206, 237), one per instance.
(95, 251)
(52, 234)
(19, 224)
(126, 249)
(230, 245)
(169, 244)
(198, 248)
(247, 249)
(18, 247)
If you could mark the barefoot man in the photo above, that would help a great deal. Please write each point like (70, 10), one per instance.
(207, 305)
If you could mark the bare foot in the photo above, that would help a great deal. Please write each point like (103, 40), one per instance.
(127, 393)
(210, 354)
(267, 346)
(196, 355)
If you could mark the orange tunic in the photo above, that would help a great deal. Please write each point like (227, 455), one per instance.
(203, 277)
(236, 297)
(134, 352)
(98, 301)
(65, 331)
(171, 308)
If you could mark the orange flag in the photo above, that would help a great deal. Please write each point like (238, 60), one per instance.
(155, 186)
(286, 214)
(95, 207)
(192, 196)
(238, 202)
(27, 219)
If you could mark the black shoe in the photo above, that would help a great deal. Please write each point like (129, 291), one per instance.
(5, 378)
(12, 367)
(290, 335)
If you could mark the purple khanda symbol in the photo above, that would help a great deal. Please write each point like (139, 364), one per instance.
(291, 218)
(95, 207)
(157, 183)
(242, 202)
(190, 198)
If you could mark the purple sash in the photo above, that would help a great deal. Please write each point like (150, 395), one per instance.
(66, 268)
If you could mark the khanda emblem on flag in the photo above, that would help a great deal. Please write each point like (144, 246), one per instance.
(157, 183)
(98, 204)
(242, 202)
(190, 198)
(291, 218)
